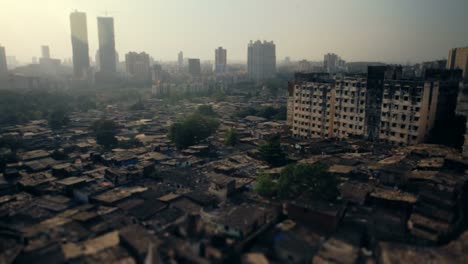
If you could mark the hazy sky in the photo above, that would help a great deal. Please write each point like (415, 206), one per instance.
(372, 30)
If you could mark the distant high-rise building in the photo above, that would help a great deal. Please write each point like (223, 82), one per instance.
(261, 60)
(138, 66)
(458, 59)
(194, 67)
(220, 60)
(180, 61)
(47, 62)
(45, 52)
(3, 63)
(107, 54)
(98, 59)
(80, 47)
(332, 63)
(12, 62)
(304, 66)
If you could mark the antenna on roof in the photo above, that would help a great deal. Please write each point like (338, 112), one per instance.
(107, 12)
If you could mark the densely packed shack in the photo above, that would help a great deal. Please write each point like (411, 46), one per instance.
(65, 197)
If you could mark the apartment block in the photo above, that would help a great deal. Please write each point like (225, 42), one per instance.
(311, 110)
(408, 111)
(348, 100)
(380, 107)
(458, 59)
(138, 66)
(261, 60)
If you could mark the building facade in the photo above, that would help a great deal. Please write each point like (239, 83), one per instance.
(261, 60)
(194, 67)
(45, 51)
(80, 46)
(3, 63)
(107, 54)
(379, 107)
(347, 107)
(458, 59)
(180, 60)
(220, 60)
(138, 66)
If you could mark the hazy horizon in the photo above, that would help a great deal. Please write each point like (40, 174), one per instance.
(365, 30)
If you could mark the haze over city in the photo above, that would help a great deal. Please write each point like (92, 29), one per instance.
(363, 30)
(233, 131)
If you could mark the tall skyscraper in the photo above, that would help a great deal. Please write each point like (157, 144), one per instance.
(220, 60)
(3, 63)
(107, 57)
(138, 66)
(261, 60)
(458, 59)
(180, 60)
(194, 67)
(45, 52)
(80, 47)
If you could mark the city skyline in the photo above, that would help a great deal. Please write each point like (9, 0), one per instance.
(399, 31)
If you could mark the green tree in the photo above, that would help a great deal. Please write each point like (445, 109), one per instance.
(85, 103)
(131, 143)
(271, 151)
(246, 112)
(11, 142)
(265, 185)
(273, 86)
(268, 112)
(137, 106)
(58, 154)
(314, 180)
(206, 110)
(5, 158)
(219, 95)
(105, 132)
(192, 130)
(58, 118)
(232, 138)
(282, 113)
